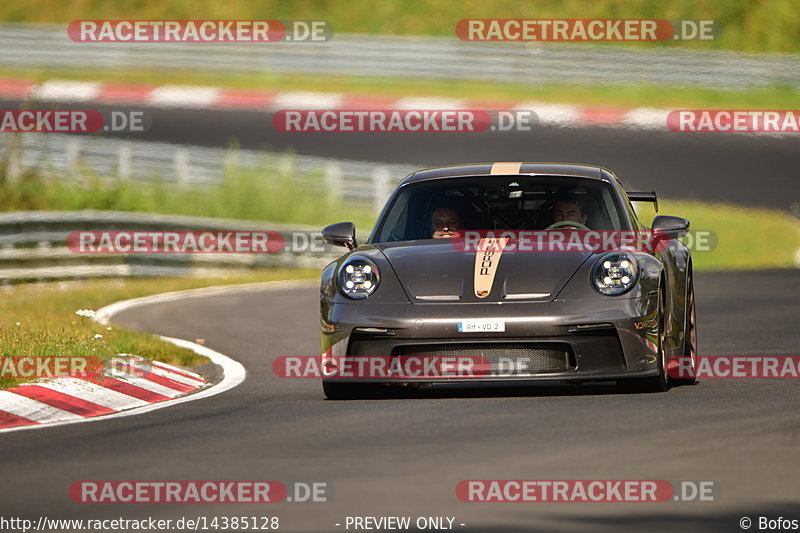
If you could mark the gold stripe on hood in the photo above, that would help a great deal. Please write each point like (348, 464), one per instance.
(486, 260)
(506, 168)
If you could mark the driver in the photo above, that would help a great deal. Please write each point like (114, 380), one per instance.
(569, 209)
(446, 223)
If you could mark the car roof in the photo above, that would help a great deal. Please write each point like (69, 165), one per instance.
(510, 169)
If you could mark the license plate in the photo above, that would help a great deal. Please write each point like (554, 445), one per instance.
(481, 326)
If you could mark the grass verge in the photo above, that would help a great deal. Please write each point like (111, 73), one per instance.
(767, 26)
(40, 319)
(626, 96)
(747, 238)
(263, 194)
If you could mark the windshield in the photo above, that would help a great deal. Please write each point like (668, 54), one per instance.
(443, 208)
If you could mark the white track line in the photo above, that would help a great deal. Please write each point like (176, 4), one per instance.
(562, 115)
(430, 103)
(73, 91)
(181, 96)
(103, 315)
(307, 100)
(234, 372)
(204, 97)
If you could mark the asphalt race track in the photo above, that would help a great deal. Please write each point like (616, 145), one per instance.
(755, 170)
(405, 456)
(759, 170)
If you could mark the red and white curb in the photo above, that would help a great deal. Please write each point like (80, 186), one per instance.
(188, 97)
(70, 398)
(61, 401)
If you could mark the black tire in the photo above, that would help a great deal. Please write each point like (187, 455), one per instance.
(661, 382)
(689, 334)
(335, 390)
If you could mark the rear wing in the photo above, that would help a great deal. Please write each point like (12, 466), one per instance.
(644, 197)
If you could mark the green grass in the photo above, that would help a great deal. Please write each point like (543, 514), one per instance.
(257, 195)
(39, 320)
(757, 26)
(748, 238)
(643, 95)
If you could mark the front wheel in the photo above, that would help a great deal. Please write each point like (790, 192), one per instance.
(661, 382)
(689, 337)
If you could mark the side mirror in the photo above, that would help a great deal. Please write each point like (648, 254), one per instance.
(670, 227)
(341, 234)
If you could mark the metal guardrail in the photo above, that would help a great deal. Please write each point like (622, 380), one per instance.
(70, 156)
(39, 45)
(33, 246)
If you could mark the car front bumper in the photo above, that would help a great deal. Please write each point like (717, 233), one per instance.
(600, 339)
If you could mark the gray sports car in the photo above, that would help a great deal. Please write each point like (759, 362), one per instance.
(509, 272)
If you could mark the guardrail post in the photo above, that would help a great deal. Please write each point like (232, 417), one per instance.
(287, 165)
(72, 157)
(125, 161)
(380, 189)
(182, 168)
(13, 163)
(333, 180)
(231, 166)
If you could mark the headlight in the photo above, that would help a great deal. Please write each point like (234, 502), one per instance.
(358, 278)
(614, 273)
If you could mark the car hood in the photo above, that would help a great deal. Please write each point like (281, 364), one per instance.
(436, 271)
